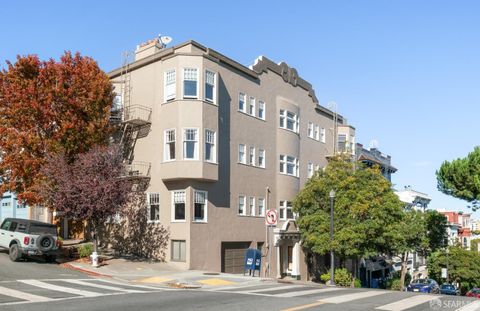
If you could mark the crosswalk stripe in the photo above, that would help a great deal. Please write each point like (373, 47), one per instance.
(406, 303)
(350, 297)
(275, 288)
(118, 289)
(22, 295)
(308, 292)
(226, 288)
(136, 286)
(61, 288)
(474, 306)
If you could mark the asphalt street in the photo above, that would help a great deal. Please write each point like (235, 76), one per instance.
(35, 285)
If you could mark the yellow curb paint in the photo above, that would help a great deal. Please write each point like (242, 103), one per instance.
(215, 282)
(304, 306)
(155, 279)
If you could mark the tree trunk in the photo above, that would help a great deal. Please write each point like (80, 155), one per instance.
(403, 271)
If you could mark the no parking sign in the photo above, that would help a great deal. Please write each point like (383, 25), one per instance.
(271, 218)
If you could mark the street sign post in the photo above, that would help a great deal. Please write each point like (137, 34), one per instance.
(271, 218)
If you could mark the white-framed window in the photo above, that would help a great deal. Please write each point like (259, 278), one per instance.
(352, 144)
(322, 135)
(117, 102)
(178, 205)
(241, 154)
(170, 85)
(179, 250)
(317, 132)
(200, 209)
(169, 148)
(310, 170)
(251, 205)
(210, 150)
(310, 130)
(251, 105)
(153, 207)
(282, 118)
(341, 142)
(210, 86)
(261, 207)
(241, 101)
(289, 121)
(190, 83)
(261, 158)
(261, 109)
(285, 210)
(251, 156)
(317, 168)
(241, 205)
(289, 165)
(190, 144)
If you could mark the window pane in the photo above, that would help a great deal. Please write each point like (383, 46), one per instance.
(190, 149)
(199, 211)
(179, 211)
(190, 88)
(241, 102)
(209, 92)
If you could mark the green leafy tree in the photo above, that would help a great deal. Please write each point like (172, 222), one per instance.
(409, 235)
(463, 266)
(436, 226)
(461, 178)
(366, 211)
(474, 243)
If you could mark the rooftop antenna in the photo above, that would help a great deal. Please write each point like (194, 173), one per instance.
(164, 40)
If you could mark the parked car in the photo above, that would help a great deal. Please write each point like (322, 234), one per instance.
(424, 286)
(474, 292)
(449, 289)
(24, 237)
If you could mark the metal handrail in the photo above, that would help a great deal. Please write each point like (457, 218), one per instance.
(137, 169)
(137, 112)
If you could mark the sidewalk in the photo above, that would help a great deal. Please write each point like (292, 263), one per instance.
(163, 274)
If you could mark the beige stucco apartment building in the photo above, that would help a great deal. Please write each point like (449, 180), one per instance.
(220, 144)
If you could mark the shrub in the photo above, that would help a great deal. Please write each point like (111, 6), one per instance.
(395, 284)
(343, 277)
(357, 283)
(325, 277)
(85, 250)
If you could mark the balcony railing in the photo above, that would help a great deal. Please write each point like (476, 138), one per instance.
(137, 170)
(137, 115)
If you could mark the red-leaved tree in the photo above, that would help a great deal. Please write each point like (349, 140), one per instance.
(90, 188)
(49, 107)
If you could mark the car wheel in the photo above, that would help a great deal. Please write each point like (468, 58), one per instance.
(15, 253)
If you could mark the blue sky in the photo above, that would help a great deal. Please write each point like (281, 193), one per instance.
(404, 73)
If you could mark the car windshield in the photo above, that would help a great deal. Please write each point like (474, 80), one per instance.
(420, 281)
(43, 229)
(448, 286)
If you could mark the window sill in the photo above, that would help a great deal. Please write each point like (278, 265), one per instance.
(249, 165)
(168, 161)
(178, 221)
(211, 162)
(250, 115)
(288, 130)
(200, 221)
(285, 174)
(153, 221)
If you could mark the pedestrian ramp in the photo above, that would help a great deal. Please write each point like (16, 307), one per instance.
(47, 290)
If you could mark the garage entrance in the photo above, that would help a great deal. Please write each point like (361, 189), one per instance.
(233, 256)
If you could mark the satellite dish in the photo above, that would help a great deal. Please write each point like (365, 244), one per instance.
(164, 40)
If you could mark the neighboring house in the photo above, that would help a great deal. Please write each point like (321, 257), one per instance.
(459, 228)
(218, 144)
(10, 207)
(371, 157)
(413, 199)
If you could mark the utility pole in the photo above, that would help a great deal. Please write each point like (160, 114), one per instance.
(332, 258)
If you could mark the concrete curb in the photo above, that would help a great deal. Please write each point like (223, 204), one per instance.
(86, 271)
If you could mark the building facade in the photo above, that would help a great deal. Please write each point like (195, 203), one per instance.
(218, 144)
(459, 228)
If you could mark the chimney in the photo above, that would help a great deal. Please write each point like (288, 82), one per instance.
(148, 48)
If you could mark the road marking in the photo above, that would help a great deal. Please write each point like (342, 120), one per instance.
(308, 292)
(22, 295)
(61, 288)
(275, 288)
(407, 303)
(136, 286)
(215, 282)
(350, 297)
(243, 286)
(118, 289)
(155, 279)
(311, 305)
(474, 306)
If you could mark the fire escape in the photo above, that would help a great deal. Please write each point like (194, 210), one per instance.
(133, 123)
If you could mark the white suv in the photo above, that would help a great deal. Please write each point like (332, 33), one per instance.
(29, 237)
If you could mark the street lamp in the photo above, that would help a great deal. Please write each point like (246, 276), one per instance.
(448, 272)
(332, 259)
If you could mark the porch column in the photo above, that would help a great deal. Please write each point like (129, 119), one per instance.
(279, 274)
(296, 259)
